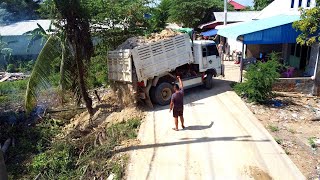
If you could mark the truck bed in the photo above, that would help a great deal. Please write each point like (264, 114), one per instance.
(150, 60)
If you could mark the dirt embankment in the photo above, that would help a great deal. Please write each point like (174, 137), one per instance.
(293, 119)
(115, 107)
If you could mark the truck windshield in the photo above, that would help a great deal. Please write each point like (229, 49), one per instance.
(212, 50)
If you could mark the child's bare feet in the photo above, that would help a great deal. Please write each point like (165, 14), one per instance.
(175, 129)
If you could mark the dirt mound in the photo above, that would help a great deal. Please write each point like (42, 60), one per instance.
(142, 40)
(123, 94)
(108, 112)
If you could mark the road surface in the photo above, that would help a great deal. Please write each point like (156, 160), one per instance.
(222, 140)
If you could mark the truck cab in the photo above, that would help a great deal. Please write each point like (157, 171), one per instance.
(206, 55)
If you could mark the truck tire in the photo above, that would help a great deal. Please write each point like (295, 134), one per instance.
(152, 93)
(208, 81)
(162, 94)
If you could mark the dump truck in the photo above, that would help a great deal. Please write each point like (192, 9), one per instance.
(151, 69)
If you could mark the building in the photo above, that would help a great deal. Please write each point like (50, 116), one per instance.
(236, 6)
(17, 37)
(271, 30)
(232, 17)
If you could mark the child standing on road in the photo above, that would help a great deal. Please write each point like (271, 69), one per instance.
(177, 104)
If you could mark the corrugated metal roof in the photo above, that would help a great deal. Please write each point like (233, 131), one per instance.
(236, 5)
(232, 17)
(236, 16)
(275, 26)
(19, 28)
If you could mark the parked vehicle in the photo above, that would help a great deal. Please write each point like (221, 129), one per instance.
(152, 68)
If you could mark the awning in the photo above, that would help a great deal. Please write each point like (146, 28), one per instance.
(211, 32)
(272, 30)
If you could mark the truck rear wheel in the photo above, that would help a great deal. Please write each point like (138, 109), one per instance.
(208, 81)
(162, 93)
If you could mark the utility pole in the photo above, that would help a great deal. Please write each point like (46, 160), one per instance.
(225, 12)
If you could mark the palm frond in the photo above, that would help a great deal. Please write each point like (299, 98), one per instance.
(39, 78)
(37, 34)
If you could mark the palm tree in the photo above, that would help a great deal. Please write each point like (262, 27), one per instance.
(73, 44)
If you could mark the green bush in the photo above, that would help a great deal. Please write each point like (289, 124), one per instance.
(11, 68)
(259, 80)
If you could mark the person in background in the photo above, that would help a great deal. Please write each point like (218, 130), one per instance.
(177, 104)
(220, 49)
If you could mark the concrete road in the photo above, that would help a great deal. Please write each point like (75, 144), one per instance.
(222, 140)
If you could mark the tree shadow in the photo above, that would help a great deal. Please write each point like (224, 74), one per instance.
(191, 141)
(198, 127)
(197, 93)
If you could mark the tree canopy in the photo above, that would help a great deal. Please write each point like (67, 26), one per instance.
(17, 10)
(261, 4)
(193, 13)
(309, 25)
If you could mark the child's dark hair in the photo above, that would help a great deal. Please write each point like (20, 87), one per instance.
(176, 86)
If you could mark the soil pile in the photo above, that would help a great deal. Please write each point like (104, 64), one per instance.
(142, 40)
(108, 112)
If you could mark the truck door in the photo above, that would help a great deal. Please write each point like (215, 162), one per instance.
(204, 57)
(213, 56)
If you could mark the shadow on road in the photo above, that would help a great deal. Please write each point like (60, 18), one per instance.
(198, 127)
(190, 141)
(197, 93)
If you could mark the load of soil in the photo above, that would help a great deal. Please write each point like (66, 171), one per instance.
(143, 40)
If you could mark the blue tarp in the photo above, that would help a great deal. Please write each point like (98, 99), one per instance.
(272, 30)
(212, 32)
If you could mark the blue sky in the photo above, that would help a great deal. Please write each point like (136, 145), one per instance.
(245, 2)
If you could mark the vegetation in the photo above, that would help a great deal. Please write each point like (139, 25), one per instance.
(309, 25)
(193, 13)
(278, 140)
(17, 10)
(273, 128)
(259, 80)
(261, 4)
(312, 142)
(40, 152)
(12, 92)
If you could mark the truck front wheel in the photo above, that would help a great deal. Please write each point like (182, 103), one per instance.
(208, 81)
(162, 94)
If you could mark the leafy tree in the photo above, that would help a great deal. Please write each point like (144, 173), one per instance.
(261, 4)
(17, 10)
(5, 53)
(193, 13)
(160, 15)
(309, 25)
(115, 21)
(74, 40)
(260, 78)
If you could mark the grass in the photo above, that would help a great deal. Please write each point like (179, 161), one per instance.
(292, 131)
(278, 140)
(39, 152)
(312, 142)
(273, 128)
(12, 91)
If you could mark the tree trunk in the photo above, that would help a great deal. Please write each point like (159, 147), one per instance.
(78, 34)
(82, 83)
(3, 169)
